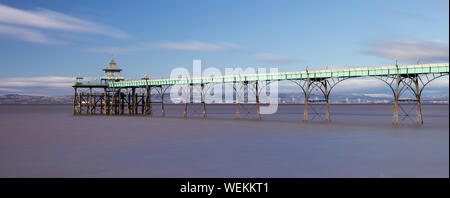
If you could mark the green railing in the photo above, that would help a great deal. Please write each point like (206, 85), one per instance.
(330, 73)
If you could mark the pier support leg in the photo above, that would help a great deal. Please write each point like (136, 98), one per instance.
(161, 89)
(305, 109)
(407, 90)
(327, 105)
(89, 106)
(185, 109)
(133, 95)
(318, 87)
(258, 113)
(105, 99)
(118, 104)
(80, 102)
(150, 108)
(75, 102)
(419, 105)
(239, 89)
(203, 100)
(123, 102)
(110, 102)
(129, 102)
(163, 112)
(396, 97)
(204, 109)
(143, 104)
(102, 100)
(188, 91)
(94, 104)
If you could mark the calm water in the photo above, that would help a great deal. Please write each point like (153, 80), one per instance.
(47, 141)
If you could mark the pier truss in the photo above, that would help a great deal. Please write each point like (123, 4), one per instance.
(243, 91)
(407, 91)
(135, 97)
(190, 92)
(316, 93)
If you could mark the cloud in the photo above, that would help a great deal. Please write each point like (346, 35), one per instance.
(410, 50)
(197, 46)
(14, 20)
(114, 50)
(442, 82)
(273, 58)
(44, 86)
(10, 90)
(50, 81)
(180, 46)
(26, 34)
(361, 84)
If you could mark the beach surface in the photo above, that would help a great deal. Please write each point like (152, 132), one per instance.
(48, 141)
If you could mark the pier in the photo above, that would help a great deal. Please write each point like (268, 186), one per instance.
(113, 95)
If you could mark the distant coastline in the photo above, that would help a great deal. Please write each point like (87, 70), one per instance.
(17, 99)
(28, 99)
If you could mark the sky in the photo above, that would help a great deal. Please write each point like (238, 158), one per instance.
(44, 44)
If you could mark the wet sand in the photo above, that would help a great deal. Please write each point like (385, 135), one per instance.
(47, 141)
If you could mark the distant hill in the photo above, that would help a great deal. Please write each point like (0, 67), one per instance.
(283, 98)
(26, 99)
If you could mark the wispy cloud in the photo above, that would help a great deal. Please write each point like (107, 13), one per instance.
(410, 50)
(26, 34)
(10, 90)
(28, 22)
(273, 58)
(360, 84)
(442, 82)
(198, 46)
(48, 81)
(114, 50)
(44, 86)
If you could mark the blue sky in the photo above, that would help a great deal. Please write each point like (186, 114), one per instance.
(39, 39)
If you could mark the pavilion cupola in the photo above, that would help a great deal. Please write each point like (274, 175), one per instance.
(112, 73)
